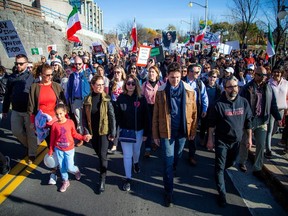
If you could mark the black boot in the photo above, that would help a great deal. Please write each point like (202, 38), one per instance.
(102, 185)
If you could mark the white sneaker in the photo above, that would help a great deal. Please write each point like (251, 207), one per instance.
(53, 179)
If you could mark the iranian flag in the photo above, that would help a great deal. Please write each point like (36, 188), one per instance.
(134, 37)
(270, 44)
(73, 25)
(201, 35)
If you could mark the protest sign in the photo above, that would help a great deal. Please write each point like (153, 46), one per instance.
(51, 47)
(143, 55)
(112, 49)
(234, 44)
(197, 47)
(211, 38)
(123, 42)
(158, 53)
(97, 48)
(10, 39)
(224, 48)
(36, 51)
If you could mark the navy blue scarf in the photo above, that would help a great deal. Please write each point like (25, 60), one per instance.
(179, 92)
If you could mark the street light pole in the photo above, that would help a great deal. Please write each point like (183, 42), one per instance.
(204, 6)
(189, 23)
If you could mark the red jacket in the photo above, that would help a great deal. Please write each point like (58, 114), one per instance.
(62, 135)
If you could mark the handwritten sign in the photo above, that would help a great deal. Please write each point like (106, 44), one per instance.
(10, 39)
(143, 55)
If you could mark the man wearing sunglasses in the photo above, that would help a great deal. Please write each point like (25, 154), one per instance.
(77, 89)
(199, 87)
(18, 87)
(263, 104)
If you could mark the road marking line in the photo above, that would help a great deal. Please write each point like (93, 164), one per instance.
(12, 180)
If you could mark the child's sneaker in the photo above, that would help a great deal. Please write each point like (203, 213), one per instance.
(64, 186)
(6, 167)
(53, 179)
(78, 175)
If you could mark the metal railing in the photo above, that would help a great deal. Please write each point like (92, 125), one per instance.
(62, 17)
(53, 14)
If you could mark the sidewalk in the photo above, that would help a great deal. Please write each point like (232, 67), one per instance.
(276, 171)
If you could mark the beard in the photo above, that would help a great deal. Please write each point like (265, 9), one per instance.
(233, 94)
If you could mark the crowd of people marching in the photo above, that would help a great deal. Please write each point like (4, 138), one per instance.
(203, 99)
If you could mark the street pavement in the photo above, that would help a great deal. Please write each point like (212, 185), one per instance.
(25, 190)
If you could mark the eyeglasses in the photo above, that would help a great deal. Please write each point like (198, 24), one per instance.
(231, 87)
(19, 63)
(261, 75)
(99, 85)
(207, 68)
(132, 68)
(213, 77)
(130, 83)
(196, 72)
(47, 75)
(78, 63)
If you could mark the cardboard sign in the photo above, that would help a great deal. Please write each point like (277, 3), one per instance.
(98, 48)
(224, 48)
(123, 42)
(158, 53)
(10, 39)
(143, 55)
(184, 50)
(36, 51)
(197, 47)
(155, 51)
(51, 47)
(112, 49)
(234, 44)
(211, 38)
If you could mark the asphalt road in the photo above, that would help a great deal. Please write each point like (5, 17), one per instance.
(194, 192)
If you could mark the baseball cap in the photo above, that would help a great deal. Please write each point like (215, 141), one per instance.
(250, 67)
(53, 52)
(230, 70)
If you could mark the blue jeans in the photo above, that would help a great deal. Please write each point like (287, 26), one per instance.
(66, 162)
(225, 157)
(171, 152)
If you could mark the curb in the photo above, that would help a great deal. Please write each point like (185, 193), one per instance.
(275, 179)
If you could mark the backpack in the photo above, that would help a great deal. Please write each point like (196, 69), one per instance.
(3, 83)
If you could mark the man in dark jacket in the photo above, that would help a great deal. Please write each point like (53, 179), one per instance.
(227, 119)
(263, 104)
(18, 87)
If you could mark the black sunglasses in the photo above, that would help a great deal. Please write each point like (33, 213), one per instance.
(261, 75)
(130, 83)
(19, 63)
